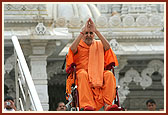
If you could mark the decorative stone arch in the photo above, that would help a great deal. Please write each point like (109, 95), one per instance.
(153, 66)
(130, 75)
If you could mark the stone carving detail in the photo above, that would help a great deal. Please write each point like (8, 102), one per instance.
(128, 20)
(158, 66)
(124, 9)
(25, 7)
(25, 10)
(123, 90)
(115, 20)
(102, 7)
(161, 71)
(101, 21)
(132, 75)
(61, 22)
(116, 7)
(144, 80)
(75, 22)
(153, 66)
(140, 9)
(155, 20)
(14, 7)
(40, 28)
(137, 8)
(142, 20)
(9, 64)
(114, 44)
(154, 8)
(123, 62)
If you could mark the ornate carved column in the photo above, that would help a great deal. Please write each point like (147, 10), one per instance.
(38, 65)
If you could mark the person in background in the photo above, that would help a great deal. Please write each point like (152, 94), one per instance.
(61, 106)
(9, 104)
(151, 105)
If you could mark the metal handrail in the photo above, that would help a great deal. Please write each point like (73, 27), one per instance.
(27, 75)
(21, 88)
(33, 105)
(21, 71)
(21, 104)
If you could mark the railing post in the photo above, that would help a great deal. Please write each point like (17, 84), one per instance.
(16, 81)
(27, 97)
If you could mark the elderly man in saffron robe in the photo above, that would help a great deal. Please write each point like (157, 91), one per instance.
(96, 85)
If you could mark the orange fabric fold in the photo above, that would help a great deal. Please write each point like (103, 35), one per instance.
(69, 58)
(96, 64)
(110, 57)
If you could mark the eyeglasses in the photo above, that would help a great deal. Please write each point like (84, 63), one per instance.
(89, 33)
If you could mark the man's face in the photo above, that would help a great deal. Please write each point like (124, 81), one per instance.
(88, 37)
(61, 107)
(151, 106)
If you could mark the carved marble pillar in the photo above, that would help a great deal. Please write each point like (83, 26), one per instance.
(38, 63)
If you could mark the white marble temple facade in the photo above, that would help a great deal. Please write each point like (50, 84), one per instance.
(134, 31)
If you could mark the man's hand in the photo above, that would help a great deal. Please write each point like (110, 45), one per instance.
(11, 106)
(89, 26)
(86, 27)
(92, 25)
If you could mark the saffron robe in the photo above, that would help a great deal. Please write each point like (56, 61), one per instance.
(94, 86)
